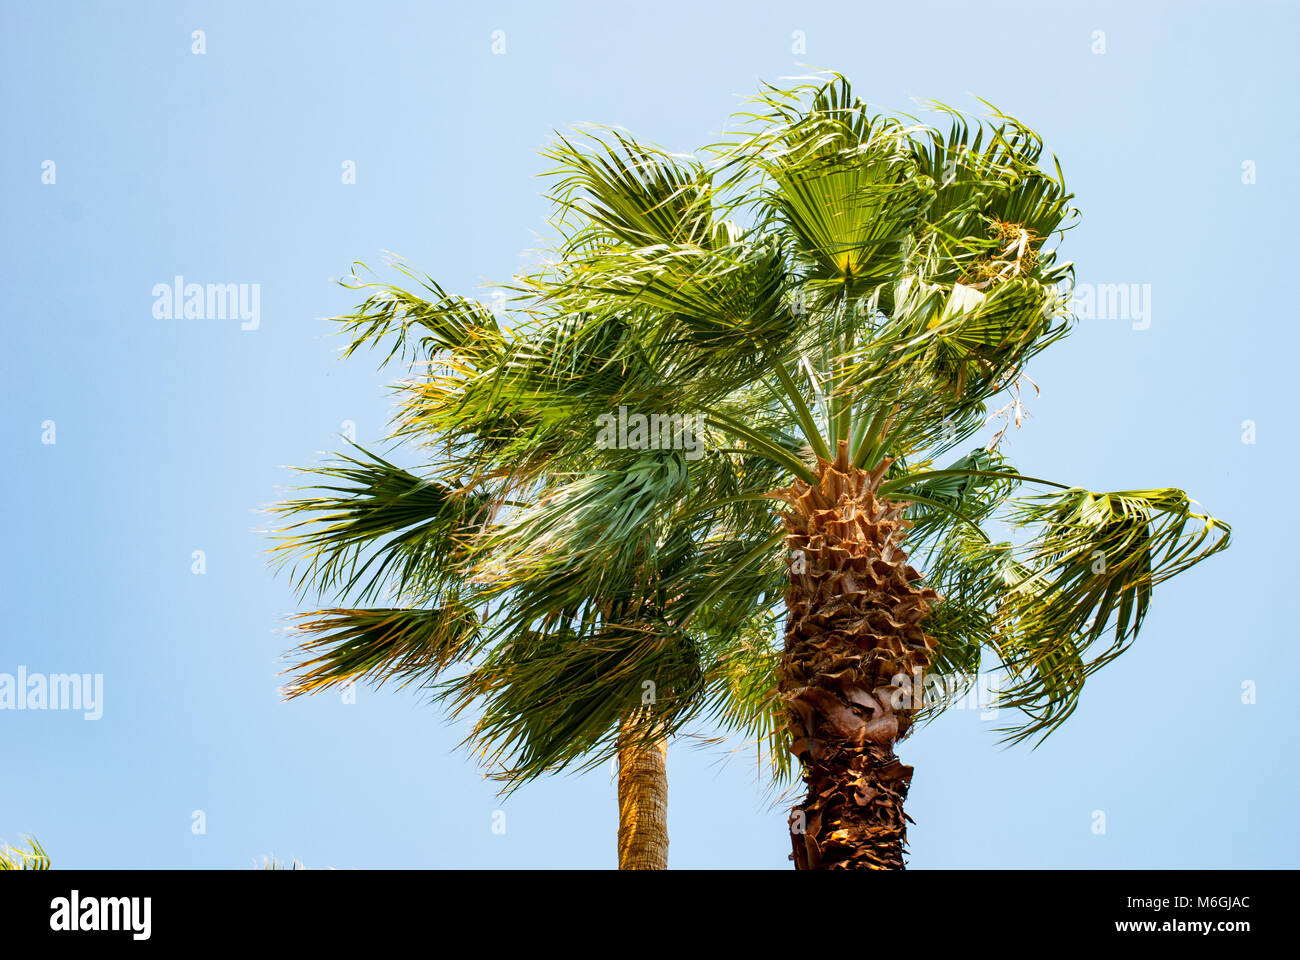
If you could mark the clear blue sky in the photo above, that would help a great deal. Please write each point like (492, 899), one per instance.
(171, 434)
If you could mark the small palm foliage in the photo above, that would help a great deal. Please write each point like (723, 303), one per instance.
(840, 302)
(16, 858)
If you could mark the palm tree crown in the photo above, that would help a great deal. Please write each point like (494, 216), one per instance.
(837, 301)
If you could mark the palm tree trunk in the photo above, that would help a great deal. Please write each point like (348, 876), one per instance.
(853, 629)
(642, 796)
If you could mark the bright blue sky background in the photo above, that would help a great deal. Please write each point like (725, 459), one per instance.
(171, 434)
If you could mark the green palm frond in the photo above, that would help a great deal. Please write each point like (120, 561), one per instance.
(585, 533)
(850, 210)
(954, 502)
(1083, 570)
(987, 175)
(742, 695)
(625, 192)
(380, 644)
(375, 526)
(972, 343)
(1088, 572)
(413, 325)
(16, 858)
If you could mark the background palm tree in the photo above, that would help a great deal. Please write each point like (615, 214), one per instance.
(845, 300)
(568, 647)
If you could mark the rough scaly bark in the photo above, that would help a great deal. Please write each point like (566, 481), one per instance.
(642, 797)
(853, 627)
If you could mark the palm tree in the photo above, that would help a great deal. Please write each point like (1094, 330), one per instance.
(842, 299)
(568, 647)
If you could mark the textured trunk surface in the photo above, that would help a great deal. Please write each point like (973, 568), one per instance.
(854, 627)
(642, 797)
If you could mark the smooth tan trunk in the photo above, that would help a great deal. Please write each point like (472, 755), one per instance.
(642, 797)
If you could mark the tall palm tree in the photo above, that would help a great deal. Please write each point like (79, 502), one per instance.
(566, 645)
(845, 300)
